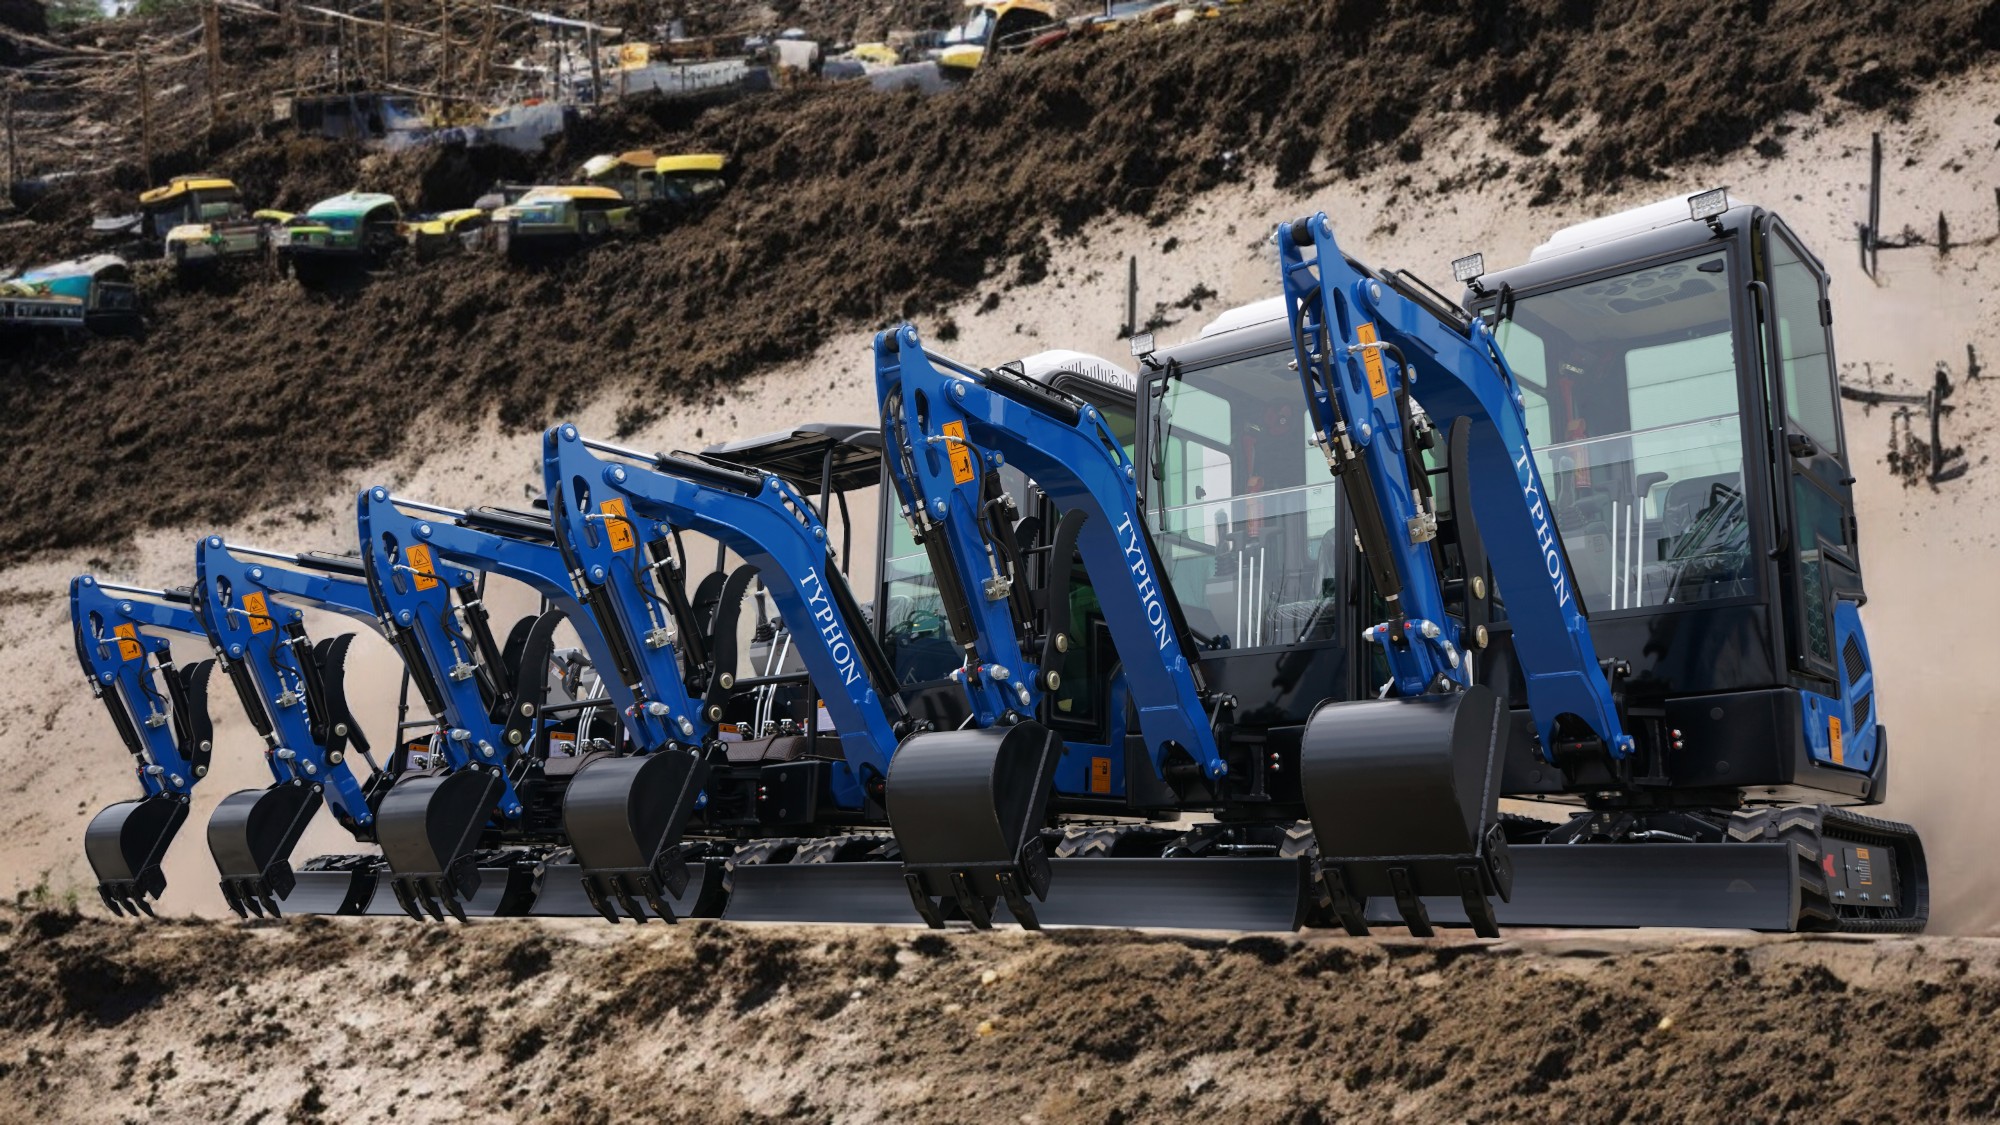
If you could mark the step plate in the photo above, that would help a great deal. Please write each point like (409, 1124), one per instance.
(1196, 894)
(1734, 886)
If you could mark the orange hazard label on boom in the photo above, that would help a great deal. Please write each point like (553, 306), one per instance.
(1371, 358)
(961, 453)
(616, 525)
(128, 642)
(419, 558)
(258, 611)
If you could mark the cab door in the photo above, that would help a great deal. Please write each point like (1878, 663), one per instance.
(1815, 496)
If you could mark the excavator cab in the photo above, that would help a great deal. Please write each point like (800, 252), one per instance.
(1677, 376)
(1674, 371)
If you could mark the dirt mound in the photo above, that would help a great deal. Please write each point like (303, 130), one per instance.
(240, 397)
(366, 1021)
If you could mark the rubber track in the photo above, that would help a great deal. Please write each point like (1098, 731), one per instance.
(1807, 828)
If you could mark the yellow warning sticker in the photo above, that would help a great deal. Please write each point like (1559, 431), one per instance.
(1833, 740)
(419, 558)
(617, 526)
(1371, 358)
(1100, 775)
(128, 642)
(961, 453)
(258, 611)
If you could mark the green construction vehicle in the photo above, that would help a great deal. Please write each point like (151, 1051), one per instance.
(348, 232)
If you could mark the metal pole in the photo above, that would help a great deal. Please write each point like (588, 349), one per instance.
(1874, 204)
(1132, 295)
(1939, 390)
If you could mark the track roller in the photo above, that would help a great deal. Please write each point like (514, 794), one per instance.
(624, 817)
(428, 827)
(967, 808)
(251, 837)
(1403, 796)
(125, 843)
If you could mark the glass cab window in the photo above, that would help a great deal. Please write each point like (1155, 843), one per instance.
(1811, 405)
(1243, 506)
(1632, 400)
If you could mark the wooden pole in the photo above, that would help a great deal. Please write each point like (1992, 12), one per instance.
(444, 37)
(590, 45)
(145, 121)
(388, 43)
(485, 51)
(211, 20)
(14, 166)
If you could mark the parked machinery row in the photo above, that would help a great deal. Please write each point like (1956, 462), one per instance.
(1258, 636)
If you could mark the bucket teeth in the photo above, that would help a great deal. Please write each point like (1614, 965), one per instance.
(125, 899)
(451, 902)
(598, 901)
(660, 907)
(632, 907)
(405, 899)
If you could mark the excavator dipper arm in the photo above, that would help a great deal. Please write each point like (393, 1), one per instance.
(296, 689)
(169, 735)
(623, 813)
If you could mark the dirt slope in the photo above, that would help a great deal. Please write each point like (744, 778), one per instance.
(374, 1021)
(846, 219)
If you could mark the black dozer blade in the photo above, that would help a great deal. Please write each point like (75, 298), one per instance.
(251, 837)
(1249, 894)
(428, 828)
(624, 817)
(125, 843)
(1404, 800)
(967, 807)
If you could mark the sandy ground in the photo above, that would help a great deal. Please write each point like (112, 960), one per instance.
(361, 1021)
(1916, 543)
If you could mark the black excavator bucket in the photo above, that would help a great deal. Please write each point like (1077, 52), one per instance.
(125, 843)
(251, 837)
(624, 817)
(967, 807)
(429, 827)
(1403, 795)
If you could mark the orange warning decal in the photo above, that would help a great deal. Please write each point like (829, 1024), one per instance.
(419, 558)
(1100, 775)
(961, 453)
(1371, 358)
(1833, 739)
(128, 642)
(258, 611)
(617, 526)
